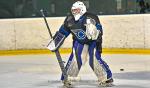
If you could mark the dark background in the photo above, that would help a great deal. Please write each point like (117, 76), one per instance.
(55, 8)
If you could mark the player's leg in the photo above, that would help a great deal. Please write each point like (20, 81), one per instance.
(75, 61)
(100, 67)
(106, 78)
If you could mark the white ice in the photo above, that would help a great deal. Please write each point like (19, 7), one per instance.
(43, 71)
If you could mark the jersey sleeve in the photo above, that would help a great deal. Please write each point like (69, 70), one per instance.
(64, 29)
(98, 24)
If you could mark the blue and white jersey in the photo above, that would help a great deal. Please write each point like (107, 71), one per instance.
(79, 34)
(78, 28)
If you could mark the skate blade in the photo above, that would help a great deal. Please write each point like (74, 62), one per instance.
(67, 86)
(107, 85)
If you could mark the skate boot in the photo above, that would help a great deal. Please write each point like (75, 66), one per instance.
(74, 79)
(67, 84)
(108, 83)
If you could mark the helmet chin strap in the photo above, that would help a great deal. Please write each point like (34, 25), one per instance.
(77, 17)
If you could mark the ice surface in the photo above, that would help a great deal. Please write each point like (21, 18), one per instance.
(42, 71)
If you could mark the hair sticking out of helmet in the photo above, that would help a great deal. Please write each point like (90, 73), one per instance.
(78, 9)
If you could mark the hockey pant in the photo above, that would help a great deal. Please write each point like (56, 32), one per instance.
(79, 56)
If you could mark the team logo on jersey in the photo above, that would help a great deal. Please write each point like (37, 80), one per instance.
(80, 34)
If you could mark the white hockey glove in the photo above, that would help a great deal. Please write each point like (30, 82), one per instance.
(56, 42)
(91, 30)
(51, 46)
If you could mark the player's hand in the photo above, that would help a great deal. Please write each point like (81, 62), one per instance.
(91, 31)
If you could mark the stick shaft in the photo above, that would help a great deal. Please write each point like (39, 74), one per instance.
(42, 12)
(60, 61)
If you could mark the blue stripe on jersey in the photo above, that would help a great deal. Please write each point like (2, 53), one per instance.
(91, 54)
(79, 50)
(99, 26)
(63, 31)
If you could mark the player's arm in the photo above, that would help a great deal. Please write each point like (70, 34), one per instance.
(58, 38)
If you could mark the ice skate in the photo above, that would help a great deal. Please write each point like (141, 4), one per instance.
(74, 79)
(67, 84)
(108, 83)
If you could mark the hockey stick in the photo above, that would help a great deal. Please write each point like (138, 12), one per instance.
(60, 61)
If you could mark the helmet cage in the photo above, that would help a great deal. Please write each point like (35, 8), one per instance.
(76, 11)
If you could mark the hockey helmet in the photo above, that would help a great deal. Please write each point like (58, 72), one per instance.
(78, 9)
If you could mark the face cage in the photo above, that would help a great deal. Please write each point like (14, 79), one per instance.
(75, 11)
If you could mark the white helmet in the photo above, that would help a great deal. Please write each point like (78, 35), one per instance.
(78, 9)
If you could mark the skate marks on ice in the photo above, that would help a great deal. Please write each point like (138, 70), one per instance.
(141, 75)
(121, 80)
(83, 84)
(36, 71)
(75, 84)
(139, 79)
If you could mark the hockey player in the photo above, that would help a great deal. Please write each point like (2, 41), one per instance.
(87, 39)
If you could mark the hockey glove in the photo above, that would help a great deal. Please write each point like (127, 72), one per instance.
(91, 30)
(51, 46)
(56, 42)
